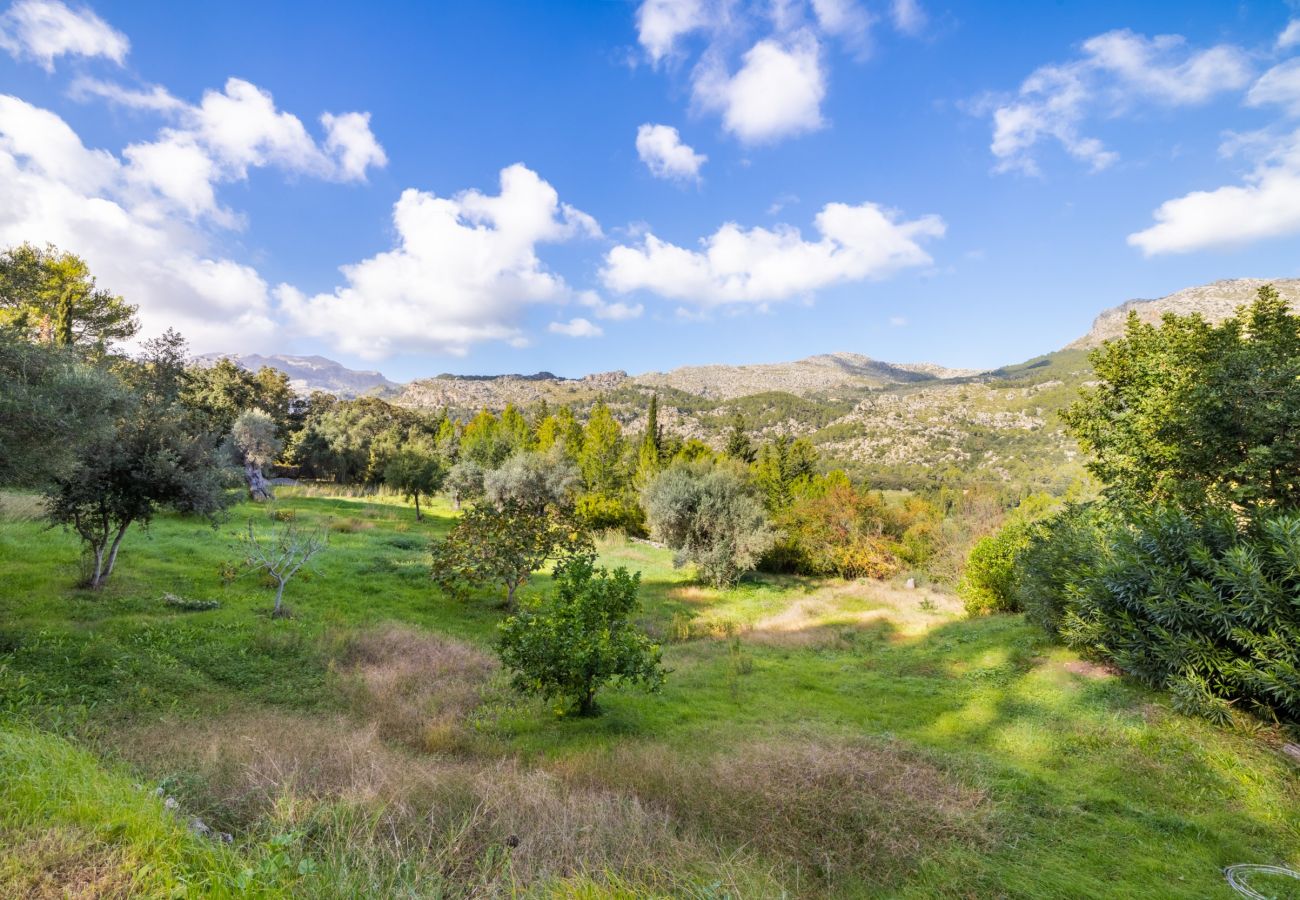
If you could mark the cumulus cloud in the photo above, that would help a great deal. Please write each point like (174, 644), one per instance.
(462, 272)
(1266, 204)
(576, 328)
(759, 265)
(53, 188)
(777, 92)
(660, 23)
(1117, 72)
(1290, 35)
(148, 219)
(1279, 86)
(44, 30)
(617, 311)
(762, 64)
(661, 149)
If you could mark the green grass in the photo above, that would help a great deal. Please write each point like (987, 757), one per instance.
(1090, 786)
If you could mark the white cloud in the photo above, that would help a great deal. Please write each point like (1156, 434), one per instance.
(776, 93)
(352, 144)
(661, 149)
(615, 312)
(155, 98)
(758, 265)
(898, 321)
(660, 23)
(54, 189)
(227, 133)
(845, 19)
(909, 16)
(463, 271)
(1279, 86)
(576, 328)
(1117, 71)
(43, 30)
(1266, 205)
(1290, 35)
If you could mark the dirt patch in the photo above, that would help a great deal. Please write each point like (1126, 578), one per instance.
(64, 864)
(416, 687)
(867, 809)
(1091, 670)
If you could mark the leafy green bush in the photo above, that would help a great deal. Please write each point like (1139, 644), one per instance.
(1199, 605)
(989, 581)
(1060, 556)
(580, 637)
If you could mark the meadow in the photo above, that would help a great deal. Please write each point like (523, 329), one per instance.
(814, 738)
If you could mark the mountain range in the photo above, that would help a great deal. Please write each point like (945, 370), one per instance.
(894, 424)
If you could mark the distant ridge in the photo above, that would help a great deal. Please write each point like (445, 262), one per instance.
(313, 373)
(1215, 301)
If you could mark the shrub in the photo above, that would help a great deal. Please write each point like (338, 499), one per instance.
(712, 516)
(603, 512)
(571, 643)
(843, 532)
(1060, 556)
(1197, 604)
(988, 583)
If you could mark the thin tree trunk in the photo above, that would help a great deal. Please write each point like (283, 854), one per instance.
(418, 517)
(279, 598)
(98, 550)
(117, 544)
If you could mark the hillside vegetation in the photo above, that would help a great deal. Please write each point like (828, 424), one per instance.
(814, 738)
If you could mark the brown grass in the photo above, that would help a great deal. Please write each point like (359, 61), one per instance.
(480, 827)
(417, 687)
(63, 864)
(868, 810)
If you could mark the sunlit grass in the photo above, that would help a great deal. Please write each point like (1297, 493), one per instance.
(1093, 787)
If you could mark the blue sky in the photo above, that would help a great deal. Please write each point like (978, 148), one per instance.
(507, 187)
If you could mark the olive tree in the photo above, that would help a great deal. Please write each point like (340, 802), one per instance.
(149, 461)
(256, 444)
(415, 468)
(712, 516)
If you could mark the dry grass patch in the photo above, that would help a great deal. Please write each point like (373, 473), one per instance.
(64, 864)
(825, 810)
(417, 687)
(811, 620)
(439, 825)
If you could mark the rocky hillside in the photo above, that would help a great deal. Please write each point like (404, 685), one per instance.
(314, 373)
(828, 372)
(1215, 301)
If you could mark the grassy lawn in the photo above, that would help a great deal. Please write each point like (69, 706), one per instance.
(814, 738)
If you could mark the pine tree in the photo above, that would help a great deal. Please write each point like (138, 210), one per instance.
(738, 445)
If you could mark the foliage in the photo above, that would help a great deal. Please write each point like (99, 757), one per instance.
(50, 403)
(1060, 557)
(536, 481)
(254, 438)
(50, 296)
(465, 481)
(601, 457)
(504, 544)
(840, 531)
(412, 466)
(712, 516)
(580, 637)
(148, 462)
(1196, 603)
(1187, 412)
(738, 445)
(783, 469)
(988, 582)
(224, 389)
